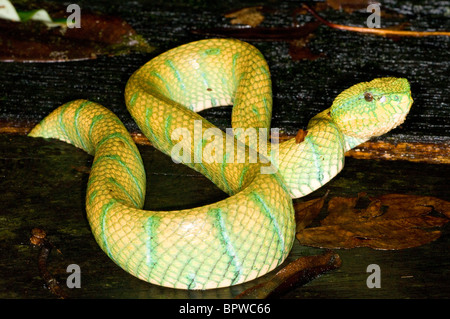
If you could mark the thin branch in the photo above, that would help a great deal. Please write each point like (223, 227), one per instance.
(39, 238)
(383, 32)
(295, 274)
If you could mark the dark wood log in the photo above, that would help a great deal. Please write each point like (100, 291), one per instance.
(43, 185)
(43, 182)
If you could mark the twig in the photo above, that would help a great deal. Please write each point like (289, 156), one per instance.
(295, 274)
(383, 32)
(38, 238)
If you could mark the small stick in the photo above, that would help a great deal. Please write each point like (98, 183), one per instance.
(38, 238)
(295, 274)
(383, 32)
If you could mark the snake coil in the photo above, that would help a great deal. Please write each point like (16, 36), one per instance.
(252, 231)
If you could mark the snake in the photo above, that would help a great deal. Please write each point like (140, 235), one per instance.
(252, 230)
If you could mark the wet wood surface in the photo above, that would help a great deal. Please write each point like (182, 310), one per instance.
(43, 185)
(43, 182)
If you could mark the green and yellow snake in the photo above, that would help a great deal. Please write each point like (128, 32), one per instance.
(252, 231)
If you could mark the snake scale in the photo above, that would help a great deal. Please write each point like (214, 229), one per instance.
(250, 232)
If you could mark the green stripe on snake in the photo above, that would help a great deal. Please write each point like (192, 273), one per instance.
(153, 138)
(104, 212)
(315, 158)
(62, 125)
(267, 210)
(166, 83)
(77, 114)
(122, 164)
(95, 119)
(119, 136)
(151, 229)
(167, 129)
(177, 74)
(226, 243)
(133, 99)
(113, 181)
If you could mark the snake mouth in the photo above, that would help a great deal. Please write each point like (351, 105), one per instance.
(399, 118)
(404, 107)
(401, 111)
(396, 120)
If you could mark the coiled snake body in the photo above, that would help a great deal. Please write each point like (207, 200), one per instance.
(252, 231)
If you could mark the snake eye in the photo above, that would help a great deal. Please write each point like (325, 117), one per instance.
(368, 97)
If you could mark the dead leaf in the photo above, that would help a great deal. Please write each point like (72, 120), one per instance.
(299, 51)
(391, 221)
(251, 16)
(306, 212)
(33, 41)
(297, 273)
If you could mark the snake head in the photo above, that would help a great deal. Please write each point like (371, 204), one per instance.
(372, 108)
